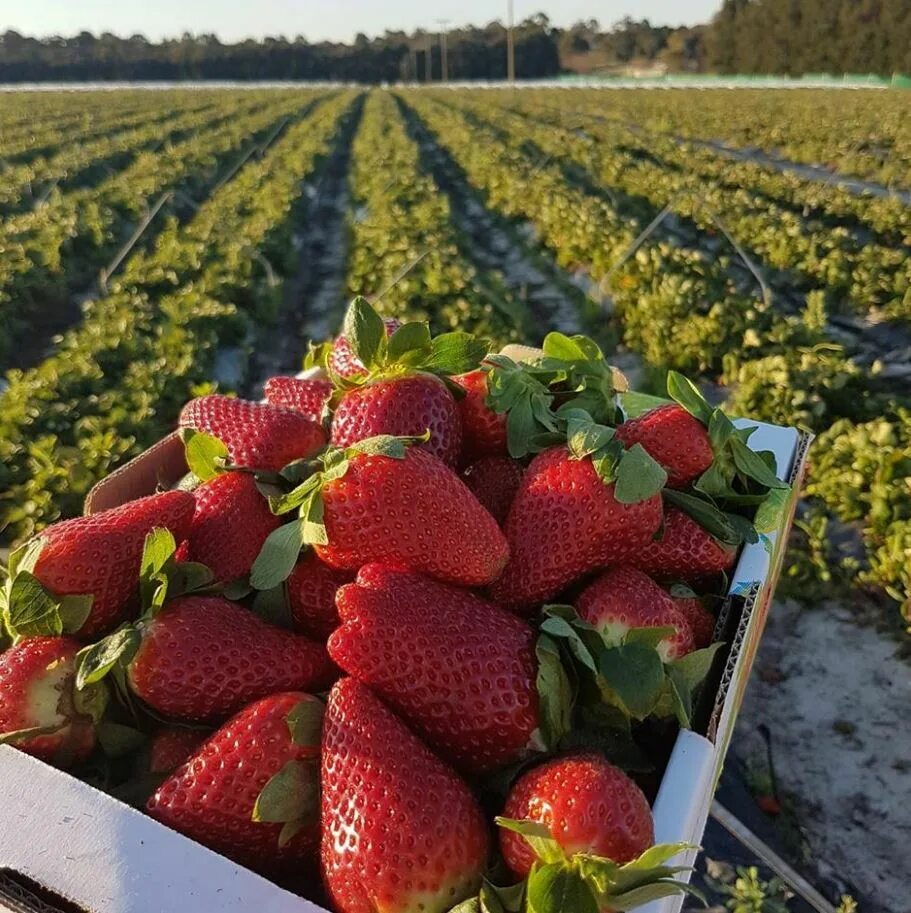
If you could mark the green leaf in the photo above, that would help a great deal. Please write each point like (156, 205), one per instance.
(558, 888)
(570, 348)
(366, 333)
(554, 693)
(74, 612)
(119, 741)
(95, 662)
(290, 795)
(472, 905)
(25, 558)
(649, 637)
(584, 437)
(721, 430)
(157, 551)
(496, 899)
(635, 404)
(206, 455)
(537, 836)
(284, 504)
(17, 736)
(639, 476)
(410, 343)
(520, 428)
(634, 674)
(91, 701)
(305, 722)
(190, 577)
(560, 627)
(277, 558)
(771, 513)
(272, 606)
(31, 610)
(753, 466)
(692, 669)
(685, 393)
(313, 529)
(388, 445)
(706, 515)
(456, 353)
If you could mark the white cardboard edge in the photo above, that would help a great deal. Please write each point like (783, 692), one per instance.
(109, 858)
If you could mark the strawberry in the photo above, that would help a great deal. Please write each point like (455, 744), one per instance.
(458, 670)
(565, 522)
(231, 522)
(173, 746)
(587, 805)
(204, 657)
(684, 551)
(483, 430)
(41, 713)
(494, 482)
(311, 596)
(382, 500)
(250, 792)
(623, 598)
(673, 437)
(400, 830)
(401, 406)
(307, 396)
(257, 435)
(701, 620)
(91, 560)
(342, 360)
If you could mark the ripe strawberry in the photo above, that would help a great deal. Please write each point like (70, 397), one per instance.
(566, 522)
(624, 598)
(588, 805)
(230, 525)
(172, 747)
(400, 830)
(307, 396)
(257, 435)
(311, 596)
(250, 792)
(412, 512)
(460, 671)
(677, 440)
(100, 555)
(402, 406)
(701, 620)
(685, 551)
(483, 430)
(203, 657)
(37, 694)
(495, 481)
(342, 360)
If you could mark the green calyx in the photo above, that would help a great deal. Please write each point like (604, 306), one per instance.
(585, 883)
(161, 578)
(28, 608)
(629, 676)
(409, 350)
(281, 549)
(206, 455)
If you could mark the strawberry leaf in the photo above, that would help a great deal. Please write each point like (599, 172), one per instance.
(554, 693)
(305, 722)
(692, 669)
(639, 476)
(456, 353)
(649, 637)
(25, 557)
(685, 393)
(771, 511)
(634, 677)
(753, 466)
(709, 517)
(157, 551)
(74, 611)
(584, 436)
(91, 701)
(635, 404)
(206, 455)
(279, 554)
(387, 445)
(410, 344)
(558, 888)
(290, 797)
(31, 610)
(570, 348)
(537, 836)
(119, 741)
(95, 662)
(366, 333)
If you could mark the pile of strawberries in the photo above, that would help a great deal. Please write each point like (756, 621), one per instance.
(398, 622)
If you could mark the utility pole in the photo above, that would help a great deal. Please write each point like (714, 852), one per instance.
(510, 44)
(444, 51)
(428, 58)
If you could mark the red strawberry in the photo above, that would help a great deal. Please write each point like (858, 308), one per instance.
(100, 555)
(565, 522)
(701, 620)
(412, 512)
(402, 406)
(588, 805)
(204, 657)
(250, 792)
(400, 830)
(230, 525)
(495, 481)
(685, 551)
(624, 598)
(483, 430)
(37, 693)
(343, 361)
(257, 435)
(459, 670)
(307, 396)
(172, 747)
(677, 440)
(311, 596)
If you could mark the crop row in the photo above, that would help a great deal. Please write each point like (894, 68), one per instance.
(681, 308)
(52, 253)
(118, 379)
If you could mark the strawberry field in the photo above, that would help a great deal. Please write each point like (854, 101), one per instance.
(160, 247)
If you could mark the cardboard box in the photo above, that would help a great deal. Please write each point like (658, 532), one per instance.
(104, 857)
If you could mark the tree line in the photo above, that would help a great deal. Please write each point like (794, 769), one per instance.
(746, 36)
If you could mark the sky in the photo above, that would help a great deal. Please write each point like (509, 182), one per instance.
(338, 20)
